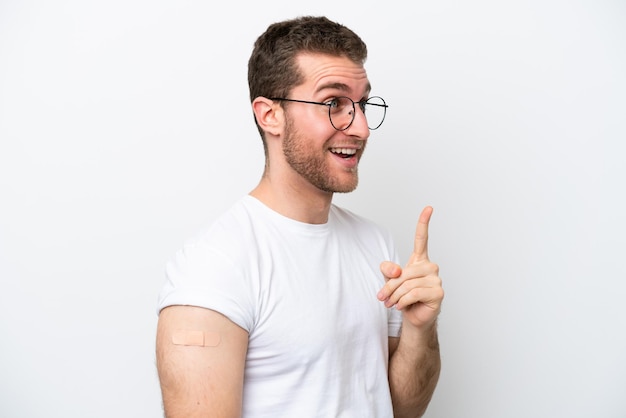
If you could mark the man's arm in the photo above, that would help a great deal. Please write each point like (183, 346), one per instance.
(413, 372)
(414, 359)
(200, 359)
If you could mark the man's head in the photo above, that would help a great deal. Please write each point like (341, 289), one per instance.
(273, 70)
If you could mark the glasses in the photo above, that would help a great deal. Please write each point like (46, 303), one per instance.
(341, 110)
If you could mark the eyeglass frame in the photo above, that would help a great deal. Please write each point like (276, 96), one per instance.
(361, 104)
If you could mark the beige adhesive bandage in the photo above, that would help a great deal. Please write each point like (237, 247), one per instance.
(196, 338)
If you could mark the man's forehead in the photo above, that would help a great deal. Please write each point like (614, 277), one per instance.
(323, 71)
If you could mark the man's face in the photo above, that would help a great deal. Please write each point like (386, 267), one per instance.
(324, 157)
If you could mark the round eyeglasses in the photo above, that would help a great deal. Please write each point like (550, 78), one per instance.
(341, 110)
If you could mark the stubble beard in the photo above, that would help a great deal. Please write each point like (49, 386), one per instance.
(311, 164)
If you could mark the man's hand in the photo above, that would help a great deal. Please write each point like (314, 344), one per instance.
(415, 290)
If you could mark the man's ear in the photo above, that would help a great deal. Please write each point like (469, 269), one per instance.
(269, 115)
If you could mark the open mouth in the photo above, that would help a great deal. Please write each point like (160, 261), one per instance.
(344, 152)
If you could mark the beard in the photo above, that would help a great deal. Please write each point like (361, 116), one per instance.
(312, 164)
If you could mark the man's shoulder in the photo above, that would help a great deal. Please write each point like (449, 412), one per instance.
(226, 228)
(344, 215)
(357, 224)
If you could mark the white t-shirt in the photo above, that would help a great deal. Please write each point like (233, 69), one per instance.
(306, 294)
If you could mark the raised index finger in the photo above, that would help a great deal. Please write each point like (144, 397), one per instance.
(420, 245)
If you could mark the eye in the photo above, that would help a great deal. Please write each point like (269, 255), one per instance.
(333, 103)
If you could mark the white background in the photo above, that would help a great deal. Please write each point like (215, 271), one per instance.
(125, 126)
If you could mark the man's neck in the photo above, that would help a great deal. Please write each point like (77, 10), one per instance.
(303, 203)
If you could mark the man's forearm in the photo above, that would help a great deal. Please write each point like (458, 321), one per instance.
(414, 370)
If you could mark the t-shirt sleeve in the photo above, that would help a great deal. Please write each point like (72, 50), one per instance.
(394, 322)
(394, 316)
(202, 275)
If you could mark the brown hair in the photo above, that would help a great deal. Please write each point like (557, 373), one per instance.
(272, 68)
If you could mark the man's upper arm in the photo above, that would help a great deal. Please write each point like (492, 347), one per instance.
(201, 356)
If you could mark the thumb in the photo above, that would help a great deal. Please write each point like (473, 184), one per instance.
(390, 270)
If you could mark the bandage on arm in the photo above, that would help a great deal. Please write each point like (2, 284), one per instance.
(200, 359)
(196, 338)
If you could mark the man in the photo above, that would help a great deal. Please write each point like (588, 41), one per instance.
(285, 306)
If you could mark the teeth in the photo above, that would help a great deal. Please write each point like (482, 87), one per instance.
(347, 151)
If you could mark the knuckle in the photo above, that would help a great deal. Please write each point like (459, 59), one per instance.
(438, 281)
(404, 287)
(393, 284)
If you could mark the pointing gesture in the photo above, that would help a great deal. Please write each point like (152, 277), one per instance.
(420, 244)
(415, 290)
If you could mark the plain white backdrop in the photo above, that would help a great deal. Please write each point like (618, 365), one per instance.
(125, 126)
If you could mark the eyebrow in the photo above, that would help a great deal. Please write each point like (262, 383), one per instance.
(342, 87)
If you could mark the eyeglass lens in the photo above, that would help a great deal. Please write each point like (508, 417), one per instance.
(342, 112)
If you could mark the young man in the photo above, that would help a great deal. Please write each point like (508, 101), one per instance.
(286, 307)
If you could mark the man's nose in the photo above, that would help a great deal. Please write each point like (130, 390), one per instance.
(359, 127)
